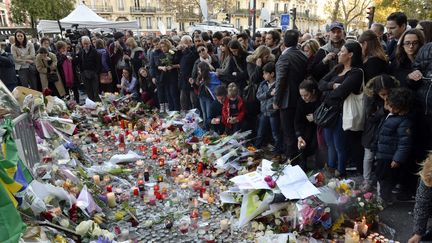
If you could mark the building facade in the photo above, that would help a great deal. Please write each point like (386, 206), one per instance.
(150, 12)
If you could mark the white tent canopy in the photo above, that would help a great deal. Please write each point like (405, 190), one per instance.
(84, 18)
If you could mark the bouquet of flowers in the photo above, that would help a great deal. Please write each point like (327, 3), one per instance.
(168, 59)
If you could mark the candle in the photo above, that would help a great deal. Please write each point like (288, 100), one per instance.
(351, 236)
(224, 223)
(139, 163)
(111, 199)
(200, 168)
(152, 201)
(154, 150)
(202, 191)
(122, 124)
(160, 178)
(194, 213)
(136, 190)
(162, 162)
(121, 138)
(109, 188)
(96, 179)
(156, 187)
(205, 196)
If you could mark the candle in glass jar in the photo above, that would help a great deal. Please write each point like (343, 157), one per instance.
(135, 191)
(146, 175)
(154, 150)
(107, 179)
(109, 188)
(200, 168)
(121, 138)
(162, 162)
(111, 199)
(352, 236)
(224, 224)
(96, 179)
(160, 178)
(156, 187)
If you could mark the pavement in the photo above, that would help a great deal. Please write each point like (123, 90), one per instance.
(399, 217)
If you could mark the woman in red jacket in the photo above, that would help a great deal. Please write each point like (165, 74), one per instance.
(233, 110)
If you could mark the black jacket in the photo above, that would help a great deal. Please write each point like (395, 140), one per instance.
(216, 112)
(255, 73)
(423, 62)
(290, 72)
(373, 67)
(235, 64)
(187, 60)
(7, 70)
(394, 141)
(320, 69)
(401, 70)
(155, 57)
(90, 61)
(375, 113)
(351, 82)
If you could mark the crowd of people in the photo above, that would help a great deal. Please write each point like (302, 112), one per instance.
(271, 83)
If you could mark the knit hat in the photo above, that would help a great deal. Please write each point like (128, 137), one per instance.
(118, 35)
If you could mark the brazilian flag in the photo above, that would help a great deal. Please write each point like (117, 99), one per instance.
(14, 179)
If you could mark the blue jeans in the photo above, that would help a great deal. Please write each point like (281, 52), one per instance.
(205, 103)
(263, 127)
(336, 146)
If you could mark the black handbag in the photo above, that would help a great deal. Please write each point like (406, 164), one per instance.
(249, 92)
(325, 116)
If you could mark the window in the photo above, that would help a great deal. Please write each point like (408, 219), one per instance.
(137, 3)
(158, 19)
(276, 7)
(238, 23)
(181, 26)
(3, 18)
(262, 5)
(238, 5)
(138, 19)
(169, 22)
(149, 23)
(121, 5)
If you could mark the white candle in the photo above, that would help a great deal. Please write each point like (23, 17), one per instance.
(224, 224)
(111, 199)
(352, 236)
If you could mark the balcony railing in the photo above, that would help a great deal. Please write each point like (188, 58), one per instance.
(102, 9)
(144, 9)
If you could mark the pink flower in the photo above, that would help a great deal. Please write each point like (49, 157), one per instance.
(368, 195)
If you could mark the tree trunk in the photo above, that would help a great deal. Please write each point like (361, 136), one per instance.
(335, 12)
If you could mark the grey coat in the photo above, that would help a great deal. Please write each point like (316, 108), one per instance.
(266, 100)
(422, 208)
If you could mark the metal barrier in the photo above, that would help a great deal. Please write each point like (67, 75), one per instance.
(25, 138)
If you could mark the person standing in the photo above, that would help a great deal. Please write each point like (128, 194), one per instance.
(326, 57)
(24, 55)
(46, 64)
(7, 70)
(272, 40)
(290, 72)
(396, 25)
(90, 66)
(8, 48)
(189, 55)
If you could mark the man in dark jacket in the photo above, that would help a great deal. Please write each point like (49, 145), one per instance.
(290, 72)
(7, 70)
(326, 57)
(189, 54)
(90, 66)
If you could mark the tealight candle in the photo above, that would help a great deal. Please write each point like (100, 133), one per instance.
(96, 179)
(162, 162)
(135, 191)
(111, 199)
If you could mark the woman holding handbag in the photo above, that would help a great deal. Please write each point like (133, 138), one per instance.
(46, 64)
(344, 79)
(24, 56)
(105, 77)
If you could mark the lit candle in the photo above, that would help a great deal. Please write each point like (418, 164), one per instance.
(109, 188)
(160, 178)
(162, 162)
(96, 179)
(352, 236)
(200, 168)
(135, 191)
(111, 199)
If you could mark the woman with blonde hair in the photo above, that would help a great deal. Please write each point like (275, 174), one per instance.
(256, 61)
(137, 58)
(310, 48)
(423, 203)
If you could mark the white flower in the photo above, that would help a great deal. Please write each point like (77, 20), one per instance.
(269, 232)
(171, 52)
(361, 204)
(255, 226)
(83, 228)
(278, 221)
(261, 227)
(332, 184)
(359, 199)
(64, 223)
(194, 146)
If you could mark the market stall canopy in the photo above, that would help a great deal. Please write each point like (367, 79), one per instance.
(84, 17)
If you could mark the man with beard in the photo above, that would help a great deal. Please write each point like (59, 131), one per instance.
(326, 57)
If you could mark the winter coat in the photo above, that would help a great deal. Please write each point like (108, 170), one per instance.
(290, 72)
(422, 209)
(105, 60)
(423, 62)
(394, 141)
(320, 69)
(266, 99)
(7, 70)
(226, 113)
(216, 112)
(90, 61)
(375, 113)
(187, 61)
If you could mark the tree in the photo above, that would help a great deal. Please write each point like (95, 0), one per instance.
(347, 12)
(414, 9)
(33, 10)
(185, 8)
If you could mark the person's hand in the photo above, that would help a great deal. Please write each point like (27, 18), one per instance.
(273, 92)
(47, 58)
(301, 143)
(191, 81)
(69, 57)
(29, 61)
(126, 57)
(162, 69)
(215, 121)
(276, 107)
(394, 164)
(259, 62)
(234, 73)
(154, 81)
(416, 75)
(310, 117)
(329, 57)
(119, 86)
(335, 85)
(415, 239)
(168, 68)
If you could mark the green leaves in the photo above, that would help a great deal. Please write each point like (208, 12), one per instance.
(22, 10)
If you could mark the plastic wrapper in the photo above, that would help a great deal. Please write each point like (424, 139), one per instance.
(86, 203)
(129, 157)
(44, 190)
(252, 206)
(8, 104)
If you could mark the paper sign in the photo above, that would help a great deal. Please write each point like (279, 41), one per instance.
(294, 184)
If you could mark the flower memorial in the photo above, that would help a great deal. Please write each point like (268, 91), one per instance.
(116, 171)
